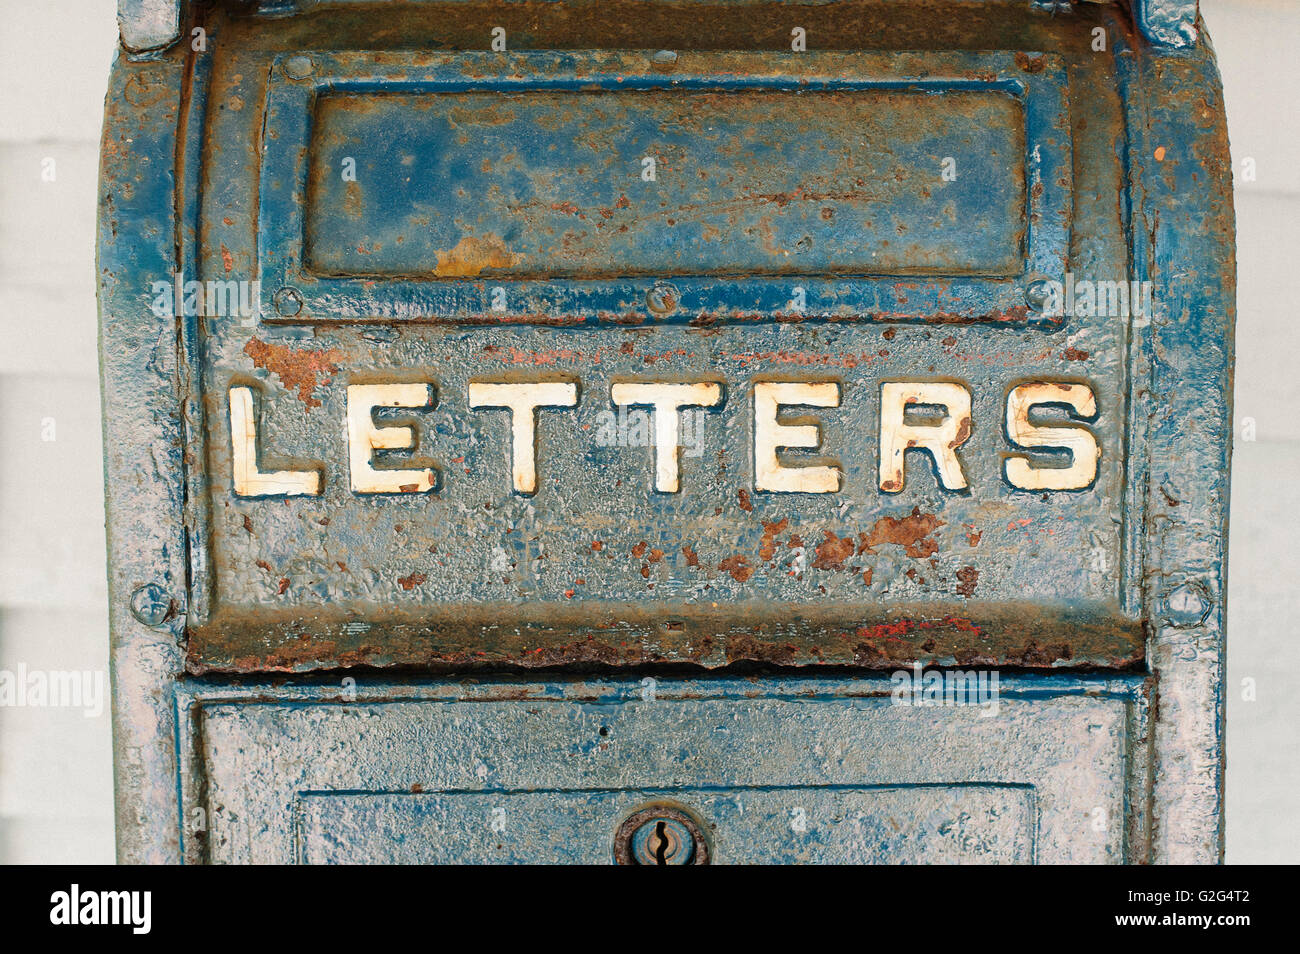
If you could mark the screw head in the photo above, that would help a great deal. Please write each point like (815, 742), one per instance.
(1187, 604)
(662, 299)
(660, 835)
(151, 605)
(288, 302)
(298, 67)
(1037, 293)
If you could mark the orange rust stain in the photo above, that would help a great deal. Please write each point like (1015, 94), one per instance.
(513, 355)
(227, 260)
(969, 579)
(973, 537)
(833, 551)
(912, 533)
(738, 566)
(905, 626)
(1160, 154)
(1030, 64)
(297, 370)
(412, 581)
(743, 496)
(471, 255)
(691, 558)
(352, 200)
(844, 359)
(962, 435)
(770, 530)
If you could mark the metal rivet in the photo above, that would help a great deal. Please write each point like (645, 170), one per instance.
(288, 302)
(298, 67)
(662, 299)
(660, 835)
(151, 605)
(1037, 293)
(1187, 605)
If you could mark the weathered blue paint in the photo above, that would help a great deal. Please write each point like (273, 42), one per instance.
(216, 166)
(779, 771)
(555, 219)
(1170, 23)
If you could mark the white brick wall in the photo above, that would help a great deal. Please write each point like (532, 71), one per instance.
(1255, 41)
(56, 771)
(55, 765)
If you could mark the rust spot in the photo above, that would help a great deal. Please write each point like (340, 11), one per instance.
(1030, 64)
(639, 550)
(745, 503)
(746, 646)
(691, 558)
(248, 525)
(352, 200)
(969, 577)
(471, 255)
(973, 537)
(297, 370)
(1074, 354)
(866, 577)
(770, 530)
(656, 556)
(833, 551)
(1160, 154)
(412, 581)
(227, 260)
(738, 566)
(284, 585)
(912, 533)
(888, 334)
(963, 433)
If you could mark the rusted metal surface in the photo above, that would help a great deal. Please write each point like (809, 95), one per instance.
(597, 568)
(793, 772)
(539, 188)
(224, 165)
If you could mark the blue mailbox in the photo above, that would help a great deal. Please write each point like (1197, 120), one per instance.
(667, 432)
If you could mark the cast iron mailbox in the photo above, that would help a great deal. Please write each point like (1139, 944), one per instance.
(666, 432)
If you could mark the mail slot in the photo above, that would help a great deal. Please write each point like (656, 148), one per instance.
(667, 433)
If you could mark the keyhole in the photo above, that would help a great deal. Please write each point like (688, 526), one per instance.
(660, 846)
(660, 835)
